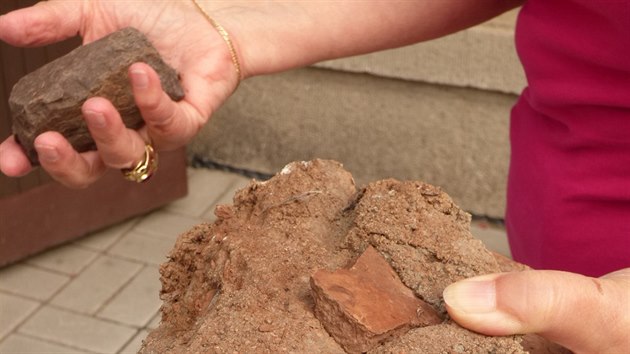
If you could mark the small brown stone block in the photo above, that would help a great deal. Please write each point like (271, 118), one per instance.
(50, 98)
(366, 304)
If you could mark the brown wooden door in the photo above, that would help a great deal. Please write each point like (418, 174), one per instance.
(37, 213)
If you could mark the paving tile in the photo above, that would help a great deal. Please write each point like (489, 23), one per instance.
(13, 310)
(494, 238)
(137, 303)
(143, 248)
(31, 282)
(240, 182)
(134, 346)
(68, 259)
(96, 284)
(102, 240)
(205, 187)
(20, 344)
(77, 330)
(165, 225)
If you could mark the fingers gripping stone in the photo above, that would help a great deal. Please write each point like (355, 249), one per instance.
(50, 98)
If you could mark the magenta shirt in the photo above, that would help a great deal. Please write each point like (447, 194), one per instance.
(569, 178)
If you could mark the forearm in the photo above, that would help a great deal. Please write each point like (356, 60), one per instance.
(272, 36)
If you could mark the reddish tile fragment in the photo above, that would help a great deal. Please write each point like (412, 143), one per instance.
(367, 303)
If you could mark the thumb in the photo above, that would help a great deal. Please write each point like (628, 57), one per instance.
(581, 313)
(44, 23)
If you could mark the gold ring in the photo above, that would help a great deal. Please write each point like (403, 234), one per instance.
(145, 168)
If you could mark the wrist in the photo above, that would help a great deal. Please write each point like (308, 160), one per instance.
(267, 37)
(225, 19)
(226, 38)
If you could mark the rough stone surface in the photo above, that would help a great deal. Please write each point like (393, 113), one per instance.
(364, 305)
(50, 98)
(241, 284)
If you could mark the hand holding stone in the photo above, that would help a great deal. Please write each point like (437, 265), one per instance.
(184, 39)
(50, 98)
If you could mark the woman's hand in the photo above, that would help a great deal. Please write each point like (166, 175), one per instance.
(185, 39)
(269, 37)
(585, 315)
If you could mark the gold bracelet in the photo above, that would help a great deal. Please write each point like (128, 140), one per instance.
(226, 37)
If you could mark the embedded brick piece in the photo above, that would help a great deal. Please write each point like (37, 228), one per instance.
(50, 98)
(367, 303)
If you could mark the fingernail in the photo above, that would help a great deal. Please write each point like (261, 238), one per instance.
(95, 119)
(47, 153)
(139, 79)
(471, 296)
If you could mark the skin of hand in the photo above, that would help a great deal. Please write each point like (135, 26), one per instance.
(184, 38)
(583, 314)
(269, 36)
(586, 315)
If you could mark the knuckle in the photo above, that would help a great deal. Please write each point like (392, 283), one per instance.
(104, 138)
(80, 184)
(68, 179)
(149, 103)
(149, 100)
(165, 125)
(119, 162)
(110, 140)
(124, 157)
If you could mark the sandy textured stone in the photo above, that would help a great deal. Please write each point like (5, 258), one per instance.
(243, 283)
(50, 98)
(364, 305)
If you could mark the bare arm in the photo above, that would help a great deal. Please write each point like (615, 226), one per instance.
(269, 36)
(272, 36)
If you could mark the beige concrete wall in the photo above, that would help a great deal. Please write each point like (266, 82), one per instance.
(482, 57)
(435, 111)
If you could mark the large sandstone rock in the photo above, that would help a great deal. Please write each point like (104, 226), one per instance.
(243, 283)
(50, 98)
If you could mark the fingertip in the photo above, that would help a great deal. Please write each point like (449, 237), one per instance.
(144, 67)
(101, 117)
(49, 138)
(473, 304)
(8, 28)
(97, 104)
(504, 303)
(65, 164)
(140, 75)
(145, 82)
(41, 24)
(13, 161)
(156, 107)
(49, 147)
(538, 301)
(140, 66)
